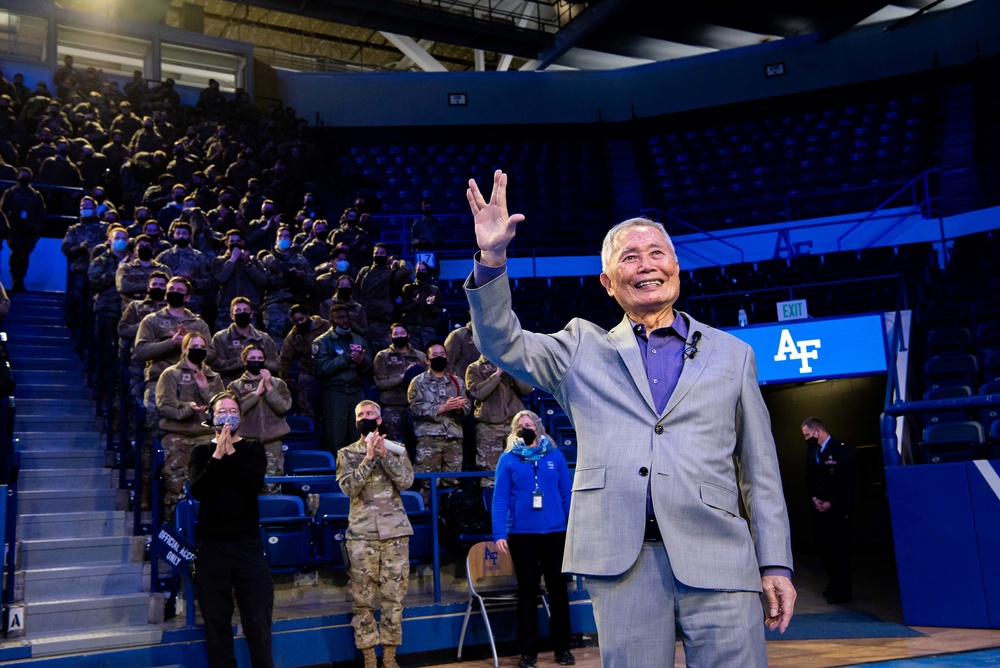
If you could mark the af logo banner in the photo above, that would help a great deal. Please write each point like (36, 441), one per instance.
(816, 349)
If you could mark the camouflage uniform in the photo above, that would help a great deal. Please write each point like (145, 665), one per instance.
(377, 541)
(498, 400)
(192, 265)
(132, 279)
(461, 349)
(359, 319)
(343, 384)
(308, 394)
(229, 345)
(390, 378)
(79, 241)
(25, 210)
(128, 328)
(283, 289)
(236, 279)
(439, 437)
(263, 420)
(182, 426)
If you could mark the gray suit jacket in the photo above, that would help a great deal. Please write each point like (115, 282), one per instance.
(711, 445)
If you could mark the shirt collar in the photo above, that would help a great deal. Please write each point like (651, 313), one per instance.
(679, 327)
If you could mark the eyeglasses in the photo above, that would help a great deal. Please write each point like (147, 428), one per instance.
(227, 411)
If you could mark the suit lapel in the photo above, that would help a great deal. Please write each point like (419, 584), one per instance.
(623, 338)
(692, 368)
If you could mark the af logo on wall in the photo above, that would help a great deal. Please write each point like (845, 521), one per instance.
(803, 350)
(817, 348)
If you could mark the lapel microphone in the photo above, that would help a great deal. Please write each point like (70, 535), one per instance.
(691, 349)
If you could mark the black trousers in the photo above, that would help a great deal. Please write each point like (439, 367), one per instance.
(833, 536)
(535, 555)
(225, 567)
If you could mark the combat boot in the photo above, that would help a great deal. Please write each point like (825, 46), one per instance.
(370, 660)
(389, 656)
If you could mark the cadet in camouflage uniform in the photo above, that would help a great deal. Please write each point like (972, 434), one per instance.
(238, 274)
(298, 347)
(264, 400)
(107, 306)
(132, 275)
(392, 380)
(378, 534)
(230, 342)
(158, 345)
(290, 279)
(497, 397)
(77, 244)
(437, 406)
(189, 263)
(341, 361)
(182, 394)
(128, 327)
(25, 210)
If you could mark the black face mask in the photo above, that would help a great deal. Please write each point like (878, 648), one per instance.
(527, 435)
(179, 199)
(64, 152)
(175, 299)
(381, 259)
(254, 366)
(157, 294)
(144, 253)
(153, 237)
(344, 294)
(421, 276)
(242, 319)
(367, 426)
(439, 363)
(812, 441)
(321, 235)
(182, 242)
(226, 202)
(303, 327)
(401, 341)
(196, 355)
(268, 213)
(24, 181)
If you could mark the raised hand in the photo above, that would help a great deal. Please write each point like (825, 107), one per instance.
(494, 226)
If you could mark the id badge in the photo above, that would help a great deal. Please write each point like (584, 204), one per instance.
(536, 500)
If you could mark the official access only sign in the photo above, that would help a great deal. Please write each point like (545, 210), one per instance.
(797, 351)
(172, 546)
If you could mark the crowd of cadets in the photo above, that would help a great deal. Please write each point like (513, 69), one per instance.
(202, 255)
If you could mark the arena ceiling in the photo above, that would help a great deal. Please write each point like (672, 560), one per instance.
(457, 35)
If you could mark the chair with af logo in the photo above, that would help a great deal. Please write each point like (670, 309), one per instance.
(492, 584)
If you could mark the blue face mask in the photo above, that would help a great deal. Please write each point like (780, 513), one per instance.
(221, 421)
(342, 265)
(284, 244)
(119, 245)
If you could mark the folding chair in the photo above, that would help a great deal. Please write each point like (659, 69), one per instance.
(492, 583)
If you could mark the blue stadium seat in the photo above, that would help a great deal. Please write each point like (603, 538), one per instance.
(951, 371)
(310, 462)
(944, 415)
(331, 528)
(950, 442)
(286, 532)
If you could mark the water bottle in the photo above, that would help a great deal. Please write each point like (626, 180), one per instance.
(742, 317)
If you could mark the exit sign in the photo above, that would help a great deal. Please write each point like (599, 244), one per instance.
(794, 310)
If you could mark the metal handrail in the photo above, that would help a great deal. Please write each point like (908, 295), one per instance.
(908, 185)
(698, 230)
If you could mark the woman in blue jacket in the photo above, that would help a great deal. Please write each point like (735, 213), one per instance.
(530, 508)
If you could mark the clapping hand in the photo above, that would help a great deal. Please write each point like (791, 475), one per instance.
(200, 380)
(224, 443)
(494, 226)
(266, 380)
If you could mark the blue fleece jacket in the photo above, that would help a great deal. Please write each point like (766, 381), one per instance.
(512, 495)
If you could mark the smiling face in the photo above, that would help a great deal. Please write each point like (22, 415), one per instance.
(643, 274)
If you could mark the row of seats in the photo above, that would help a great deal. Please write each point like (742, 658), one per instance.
(295, 542)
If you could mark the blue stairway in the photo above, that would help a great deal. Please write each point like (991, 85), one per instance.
(80, 571)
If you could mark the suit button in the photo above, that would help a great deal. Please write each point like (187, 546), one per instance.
(658, 429)
(644, 472)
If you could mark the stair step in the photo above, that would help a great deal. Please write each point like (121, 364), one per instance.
(85, 614)
(59, 332)
(35, 316)
(55, 406)
(74, 582)
(53, 552)
(63, 440)
(45, 362)
(46, 526)
(54, 423)
(66, 458)
(47, 391)
(31, 502)
(46, 377)
(63, 340)
(94, 640)
(26, 349)
(67, 478)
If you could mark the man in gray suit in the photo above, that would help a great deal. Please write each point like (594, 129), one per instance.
(673, 432)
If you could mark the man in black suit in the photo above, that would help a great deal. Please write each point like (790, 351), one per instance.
(830, 476)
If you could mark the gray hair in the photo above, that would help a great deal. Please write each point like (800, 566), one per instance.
(611, 238)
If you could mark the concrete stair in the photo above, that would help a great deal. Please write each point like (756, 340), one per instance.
(77, 576)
